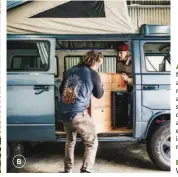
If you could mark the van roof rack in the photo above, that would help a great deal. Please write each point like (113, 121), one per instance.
(155, 30)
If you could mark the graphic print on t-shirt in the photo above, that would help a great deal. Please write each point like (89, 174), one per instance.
(71, 89)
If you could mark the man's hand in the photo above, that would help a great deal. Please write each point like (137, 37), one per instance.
(125, 77)
(128, 61)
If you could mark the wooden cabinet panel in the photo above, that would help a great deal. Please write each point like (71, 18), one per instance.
(112, 81)
(116, 78)
(106, 86)
(102, 115)
(103, 128)
(104, 101)
(117, 86)
(105, 77)
(102, 119)
(118, 83)
(100, 109)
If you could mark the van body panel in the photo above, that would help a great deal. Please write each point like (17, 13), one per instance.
(155, 91)
(33, 132)
(137, 113)
(30, 101)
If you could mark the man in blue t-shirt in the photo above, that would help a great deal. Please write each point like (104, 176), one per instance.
(79, 84)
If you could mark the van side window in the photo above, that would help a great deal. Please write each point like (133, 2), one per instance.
(108, 65)
(157, 57)
(28, 56)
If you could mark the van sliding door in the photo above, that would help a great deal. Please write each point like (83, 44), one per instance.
(30, 89)
(155, 69)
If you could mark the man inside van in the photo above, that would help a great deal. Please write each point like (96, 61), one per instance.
(124, 66)
(80, 83)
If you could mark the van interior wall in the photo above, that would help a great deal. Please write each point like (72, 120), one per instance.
(61, 54)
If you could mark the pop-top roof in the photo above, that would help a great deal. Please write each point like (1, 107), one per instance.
(69, 17)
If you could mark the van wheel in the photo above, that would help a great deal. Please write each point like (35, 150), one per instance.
(158, 146)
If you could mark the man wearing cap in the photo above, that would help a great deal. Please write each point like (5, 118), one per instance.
(124, 66)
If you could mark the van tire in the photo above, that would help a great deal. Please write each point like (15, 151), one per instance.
(157, 146)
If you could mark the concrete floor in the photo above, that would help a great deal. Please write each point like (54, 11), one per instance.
(111, 158)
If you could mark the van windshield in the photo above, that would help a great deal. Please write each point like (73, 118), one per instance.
(28, 55)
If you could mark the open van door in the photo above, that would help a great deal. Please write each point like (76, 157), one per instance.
(30, 89)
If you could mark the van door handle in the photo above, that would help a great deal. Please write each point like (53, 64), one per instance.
(38, 89)
(150, 87)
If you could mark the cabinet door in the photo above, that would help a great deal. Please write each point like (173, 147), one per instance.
(102, 119)
(105, 77)
(104, 101)
(106, 86)
(117, 86)
(117, 82)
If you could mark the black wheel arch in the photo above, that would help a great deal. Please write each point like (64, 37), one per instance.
(155, 123)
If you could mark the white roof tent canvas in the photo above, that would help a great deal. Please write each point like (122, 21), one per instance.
(70, 17)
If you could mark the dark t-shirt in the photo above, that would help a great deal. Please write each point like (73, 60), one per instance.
(97, 91)
(123, 68)
(76, 89)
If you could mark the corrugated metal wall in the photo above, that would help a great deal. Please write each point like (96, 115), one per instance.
(71, 61)
(109, 63)
(149, 12)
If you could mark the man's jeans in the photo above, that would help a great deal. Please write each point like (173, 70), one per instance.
(84, 125)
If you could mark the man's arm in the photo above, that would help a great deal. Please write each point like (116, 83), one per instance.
(130, 81)
(98, 90)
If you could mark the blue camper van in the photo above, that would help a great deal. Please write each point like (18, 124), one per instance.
(36, 63)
